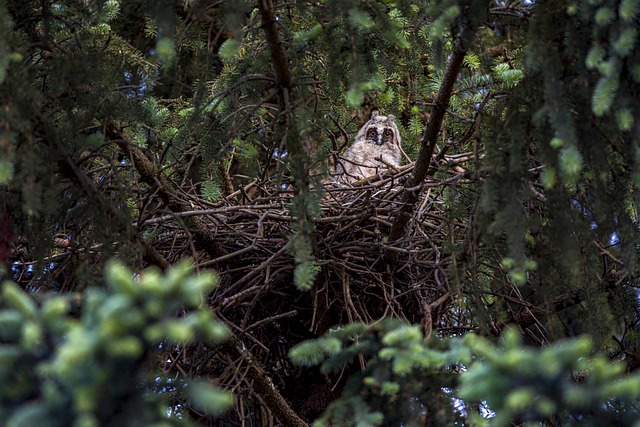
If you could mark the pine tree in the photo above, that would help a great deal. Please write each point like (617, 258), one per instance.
(158, 132)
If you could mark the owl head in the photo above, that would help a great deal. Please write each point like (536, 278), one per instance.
(380, 130)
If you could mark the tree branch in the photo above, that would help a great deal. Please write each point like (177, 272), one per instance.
(530, 316)
(166, 190)
(305, 240)
(263, 384)
(70, 170)
(427, 147)
(278, 56)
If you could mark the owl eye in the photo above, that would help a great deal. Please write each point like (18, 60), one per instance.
(372, 133)
(388, 134)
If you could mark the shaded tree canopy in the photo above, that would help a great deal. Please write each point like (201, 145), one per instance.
(489, 280)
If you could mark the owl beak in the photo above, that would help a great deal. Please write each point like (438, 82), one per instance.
(379, 140)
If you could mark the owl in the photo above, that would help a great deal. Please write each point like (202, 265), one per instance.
(377, 146)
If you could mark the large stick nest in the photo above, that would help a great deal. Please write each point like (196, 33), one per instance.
(356, 283)
(257, 296)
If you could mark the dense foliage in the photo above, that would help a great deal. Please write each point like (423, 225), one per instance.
(491, 280)
(91, 370)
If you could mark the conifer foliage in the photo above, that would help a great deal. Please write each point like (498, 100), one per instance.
(90, 371)
(162, 161)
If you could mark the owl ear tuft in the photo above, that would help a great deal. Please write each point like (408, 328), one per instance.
(391, 118)
(374, 114)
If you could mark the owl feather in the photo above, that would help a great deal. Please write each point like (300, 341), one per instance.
(376, 147)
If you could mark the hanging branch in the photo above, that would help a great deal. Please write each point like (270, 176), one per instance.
(427, 147)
